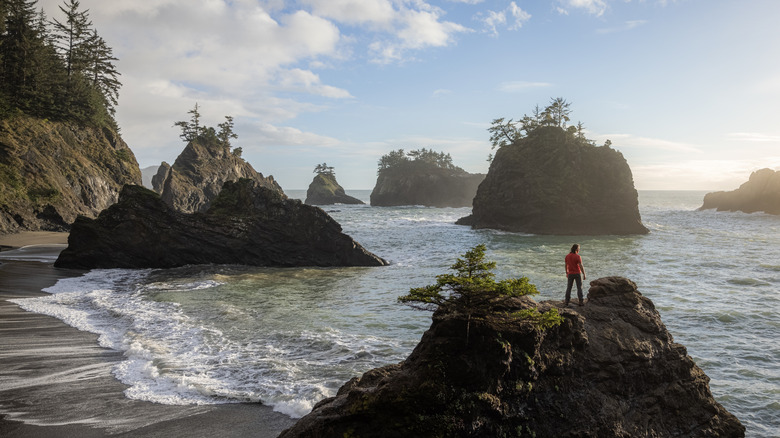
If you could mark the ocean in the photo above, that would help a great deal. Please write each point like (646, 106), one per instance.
(289, 337)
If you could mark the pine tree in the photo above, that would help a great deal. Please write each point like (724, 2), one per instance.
(101, 70)
(21, 49)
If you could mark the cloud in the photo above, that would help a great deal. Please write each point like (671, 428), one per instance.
(754, 137)
(628, 25)
(521, 86)
(595, 7)
(306, 81)
(622, 141)
(492, 20)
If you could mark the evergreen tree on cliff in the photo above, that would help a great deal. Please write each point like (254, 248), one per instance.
(547, 178)
(63, 73)
(325, 190)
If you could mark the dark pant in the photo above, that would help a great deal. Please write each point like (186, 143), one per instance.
(571, 279)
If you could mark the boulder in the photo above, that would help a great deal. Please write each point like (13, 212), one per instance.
(420, 183)
(246, 224)
(324, 190)
(611, 369)
(199, 172)
(552, 182)
(51, 172)
(760, 193)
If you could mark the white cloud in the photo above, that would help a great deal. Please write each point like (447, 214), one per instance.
(303, 80)
(628, 25)
(628, 141)
(595, 7)
(754, 137)
(513, 17)
(521, 86)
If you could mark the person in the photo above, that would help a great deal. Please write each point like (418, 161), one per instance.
(573, 270)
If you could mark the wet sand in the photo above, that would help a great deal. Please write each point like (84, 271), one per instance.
(55, 381)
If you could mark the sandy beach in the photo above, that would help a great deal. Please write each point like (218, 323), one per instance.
(55, 381)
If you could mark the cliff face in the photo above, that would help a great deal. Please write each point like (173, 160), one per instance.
(198, 174)
(247, 224)
(550, 183)
(51, 172)
(416, 183)
(760, 193)
(324, 190)
(610, 370)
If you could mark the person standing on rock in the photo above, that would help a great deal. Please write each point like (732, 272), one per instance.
(574, 272)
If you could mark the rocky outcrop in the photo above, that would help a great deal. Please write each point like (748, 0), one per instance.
(246, 224)
(760, 193)
(416, 183)
(199, 172)
(551, 182)
(611, 369)
(51, 172)
(324, 190)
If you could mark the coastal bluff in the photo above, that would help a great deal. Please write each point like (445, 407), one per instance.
(611, 369)
(200, 170)
(325, 190)
(247, 224)
(552, 182)
(760, 193)
(53, 171)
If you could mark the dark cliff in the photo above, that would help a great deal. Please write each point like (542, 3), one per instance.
(199, 172)
(760, 193)
(51, 172)
(420, 183)
(611, 369)
(246, 224)
(324, 190)
(553, 183)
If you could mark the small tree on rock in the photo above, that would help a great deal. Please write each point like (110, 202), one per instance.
(323, 169)
(473, 291)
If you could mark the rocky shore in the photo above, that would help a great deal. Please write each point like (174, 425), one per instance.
(760, 193)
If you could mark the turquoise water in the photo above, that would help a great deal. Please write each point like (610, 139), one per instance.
(290, 337)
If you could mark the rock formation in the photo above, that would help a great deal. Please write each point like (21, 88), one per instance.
(51, 172)
(552, 182)
(611, 369)
(760, 193)
(417, 183)
(246, 224)
(199, 172)
(324, 190)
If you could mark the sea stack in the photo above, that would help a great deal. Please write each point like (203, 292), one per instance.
(423, 177)
(325, 190)
(611, 369)
(760, 193)
(247, 224)
(553, 181)
(199, 172)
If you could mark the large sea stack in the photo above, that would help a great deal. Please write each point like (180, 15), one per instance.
(51, 172)
(325, 190)
(611, 369)
(199, 172)
(247, 224)
(423, 178)
(554, 182)
(760, 193)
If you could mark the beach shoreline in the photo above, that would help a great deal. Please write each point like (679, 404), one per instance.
(56, 380)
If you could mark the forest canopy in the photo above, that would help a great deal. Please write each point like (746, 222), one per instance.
(59, 69)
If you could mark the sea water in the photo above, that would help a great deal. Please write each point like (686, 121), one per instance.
(291, 337)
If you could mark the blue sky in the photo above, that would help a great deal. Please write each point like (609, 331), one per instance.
(687, 90)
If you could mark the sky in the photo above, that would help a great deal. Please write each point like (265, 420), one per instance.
(687, 90)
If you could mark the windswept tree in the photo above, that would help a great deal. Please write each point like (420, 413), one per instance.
(226, 133)
(191, 130)
(194, 130)
(557, 113)
(323, 169)
(474, 293)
